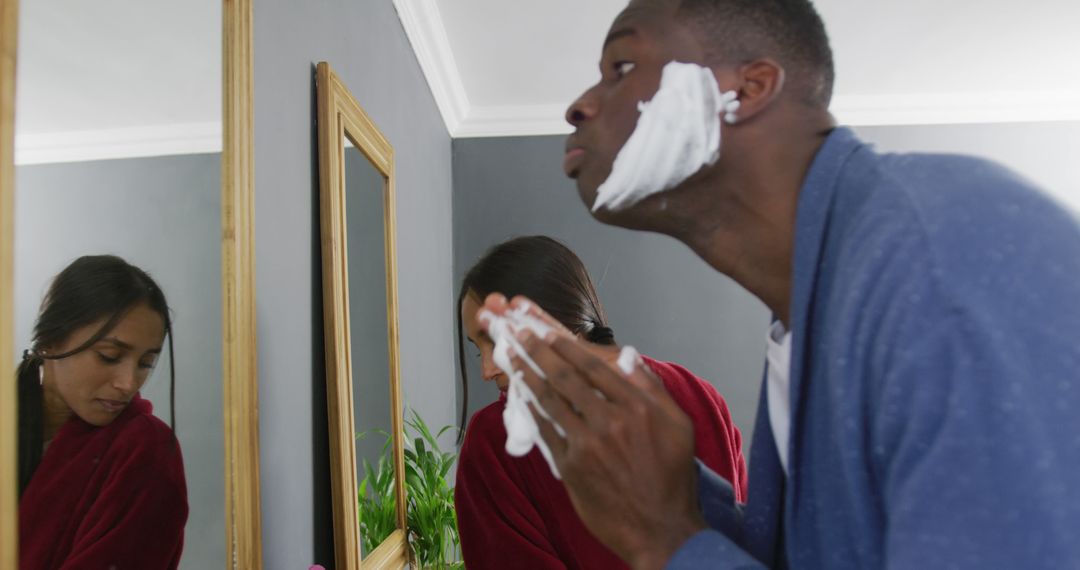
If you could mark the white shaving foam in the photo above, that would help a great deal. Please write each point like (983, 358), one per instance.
(522, 433)
(677, 134)
(629, 359)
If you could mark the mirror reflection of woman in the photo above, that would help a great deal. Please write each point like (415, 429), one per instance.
(101, 480)
(512, 512)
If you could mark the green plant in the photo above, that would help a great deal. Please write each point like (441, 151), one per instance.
(432, 521)
(378, 516)
(433, 533)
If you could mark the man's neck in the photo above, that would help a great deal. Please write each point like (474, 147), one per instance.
(741, 216)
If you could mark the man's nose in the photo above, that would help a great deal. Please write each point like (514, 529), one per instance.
(583, 108)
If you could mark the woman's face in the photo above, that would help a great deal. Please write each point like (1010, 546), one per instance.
(483, 343)
(99, 382)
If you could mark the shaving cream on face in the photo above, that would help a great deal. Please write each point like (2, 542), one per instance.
(677, 134)
(522, 433)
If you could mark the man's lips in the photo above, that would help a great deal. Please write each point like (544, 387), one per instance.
(572, 160)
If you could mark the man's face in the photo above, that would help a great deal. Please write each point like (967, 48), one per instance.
(643, 38)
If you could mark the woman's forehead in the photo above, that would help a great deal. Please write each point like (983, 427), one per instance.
(140, 329)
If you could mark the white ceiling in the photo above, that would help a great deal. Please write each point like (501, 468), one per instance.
(142, 77)
(117, 78)
(510, 68)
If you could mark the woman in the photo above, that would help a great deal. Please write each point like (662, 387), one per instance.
(512, 512)
(101, 480)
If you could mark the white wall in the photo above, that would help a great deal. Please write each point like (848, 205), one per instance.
(1047, 153)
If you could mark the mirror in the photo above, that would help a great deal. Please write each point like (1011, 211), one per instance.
(369, 344)
(356, 180)
(118, 186)
(106, 166)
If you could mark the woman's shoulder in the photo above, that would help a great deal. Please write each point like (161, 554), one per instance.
(678, 379)
(145, 439)
(689, 390)
(486, 430)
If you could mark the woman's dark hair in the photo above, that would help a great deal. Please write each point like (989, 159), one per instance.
(88, 290)
(545, 271)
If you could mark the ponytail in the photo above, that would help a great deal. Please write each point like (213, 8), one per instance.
(31, 421)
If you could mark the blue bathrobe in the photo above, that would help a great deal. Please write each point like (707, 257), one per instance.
(935, 378)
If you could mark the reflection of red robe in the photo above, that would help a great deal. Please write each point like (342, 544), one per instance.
(513, 513)
(108, 497)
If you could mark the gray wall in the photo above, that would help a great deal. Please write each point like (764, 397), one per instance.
(658, 295)
(163, 215)
(366, 45)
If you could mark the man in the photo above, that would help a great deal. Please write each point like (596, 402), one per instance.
(929, 307)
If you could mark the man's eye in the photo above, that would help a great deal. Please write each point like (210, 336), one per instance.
(623, 67)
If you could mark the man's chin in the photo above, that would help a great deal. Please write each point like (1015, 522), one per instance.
(587, 193)
(606, 216)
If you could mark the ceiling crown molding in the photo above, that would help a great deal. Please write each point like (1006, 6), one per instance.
(957, 108)
(514, 120)
(424, 27)
(131, 142)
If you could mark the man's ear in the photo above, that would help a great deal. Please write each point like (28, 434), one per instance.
(758, 84)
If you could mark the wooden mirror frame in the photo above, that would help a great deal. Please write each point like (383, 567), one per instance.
(340, 116)
(9, 486)
(243, 514)
(240, 382)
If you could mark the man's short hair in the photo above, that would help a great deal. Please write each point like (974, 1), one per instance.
(790, 31)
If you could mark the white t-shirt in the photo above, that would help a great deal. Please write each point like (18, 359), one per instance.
(778, 391)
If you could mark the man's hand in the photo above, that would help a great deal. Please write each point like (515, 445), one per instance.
(628, 456)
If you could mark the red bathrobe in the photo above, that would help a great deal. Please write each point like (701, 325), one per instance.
(513, 513)
(111, 497)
